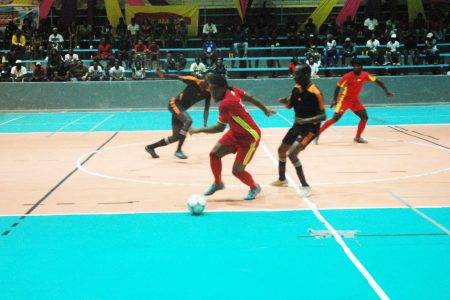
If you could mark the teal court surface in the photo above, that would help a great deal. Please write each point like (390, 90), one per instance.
(397, 248)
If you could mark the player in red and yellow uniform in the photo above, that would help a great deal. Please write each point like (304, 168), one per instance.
(242, 138)
(195, 91)
(352, 84)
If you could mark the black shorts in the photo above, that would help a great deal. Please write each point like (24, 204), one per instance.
(175, 107)
(301, 133)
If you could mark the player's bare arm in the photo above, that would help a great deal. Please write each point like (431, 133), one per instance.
(163, 75)
(206, 112)
(258, 103)
(381, 85)
(218, 127)
(336, 94)
(320, 117)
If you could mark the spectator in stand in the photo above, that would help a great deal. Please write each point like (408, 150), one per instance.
(39, 73)
(154, 54)
(55, 40)
(10, 57)
(420, 26)
(5, 72)
(182, 32)
(60, 74)
(292, 32)
(393, 50)
(123, 53)
(330, 51)
(181, 62)
(219, 68)
(73, 35)
(370, 25)
(140, 53)
(348, 50)
(209, 54)
(37, 46)
(146, 31)
(198, 68)
(121, 29)
(18, 43)
(292, 64)
(168, 34)
(85, 33)
(314, 67)
(78, 72)
(107, 32)
(240, 44)
(314, 54)
(10, 29)
(170, 63)
(54, 62)
(138, 72)
(310, 28)
(403, 27)
(435, 25)
(391, 27)
(411, 49)
(117, 72)
(431, 50)
(311, 41)
(209, 29)
(96, 72)
(349, 28)
(374, 52)
(71, 58)
(105, 52)
(18, 72)
(133, 30)
(27, 29)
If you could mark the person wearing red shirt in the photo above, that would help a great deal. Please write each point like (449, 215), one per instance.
(242, 138)
(352, 84)
(153, 53)
(105, 51)
(140, 52)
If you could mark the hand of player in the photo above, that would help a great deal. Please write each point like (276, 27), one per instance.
(269, 112)
(159, 73)
(194, 130)
(389, 94)
(283, 100)
(333, 104)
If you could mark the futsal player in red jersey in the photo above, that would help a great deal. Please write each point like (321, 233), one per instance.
(242, 138)
(352, 84)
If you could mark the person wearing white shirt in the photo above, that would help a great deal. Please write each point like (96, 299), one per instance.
(71, 57)
(371, 24)
(18, 72)
(198, 68)
(373, 51)
(133, 30)
(392, 50)
(209, 29)
(96, 72)
(314, 67)
(55, 40)
(117, 72)
(330, 51)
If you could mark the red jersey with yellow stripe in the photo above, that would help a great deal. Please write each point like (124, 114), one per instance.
(352, 85)
(233, 113)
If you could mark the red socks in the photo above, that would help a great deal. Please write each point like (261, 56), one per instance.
(246, 178)
(216, 167)
(361, 125)
(327, 124)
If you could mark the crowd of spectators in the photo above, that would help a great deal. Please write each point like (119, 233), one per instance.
(130, 50)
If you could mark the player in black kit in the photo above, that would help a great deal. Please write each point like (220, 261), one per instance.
(307, 102)
(195, 91)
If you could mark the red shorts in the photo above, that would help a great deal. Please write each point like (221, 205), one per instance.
(244, 148)
(353, 105)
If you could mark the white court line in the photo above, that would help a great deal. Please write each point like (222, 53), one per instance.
(11, 120)
(99, 124)
(67, 125)
(375, 286)
(432, 221)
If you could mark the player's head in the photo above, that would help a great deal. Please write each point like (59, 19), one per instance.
(357, 65)
(218, 86)
(206, 79)
(302, 74)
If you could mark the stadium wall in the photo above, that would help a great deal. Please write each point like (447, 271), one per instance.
(154, 94)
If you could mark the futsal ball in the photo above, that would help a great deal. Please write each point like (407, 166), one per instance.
(196, 204)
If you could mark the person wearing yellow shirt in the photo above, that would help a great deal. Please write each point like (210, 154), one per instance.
(18, 43)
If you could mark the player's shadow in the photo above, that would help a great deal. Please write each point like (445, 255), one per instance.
(227, 200)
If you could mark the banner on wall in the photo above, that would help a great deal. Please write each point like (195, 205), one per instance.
(17, 12)
(321, 13)
(349, 9)
(415, 7)
(162, 14)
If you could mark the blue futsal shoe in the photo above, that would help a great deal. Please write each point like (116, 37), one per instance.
(253, 192)
(214, 188)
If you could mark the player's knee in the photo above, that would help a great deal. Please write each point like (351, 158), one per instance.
(213, 155)
(293, 156)
(237, 170)
(188, 123)
(336, 117)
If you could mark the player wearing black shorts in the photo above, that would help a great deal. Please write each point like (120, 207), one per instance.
(195, 91)
(307, 102)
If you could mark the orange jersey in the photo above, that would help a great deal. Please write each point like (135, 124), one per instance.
(353, 84)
